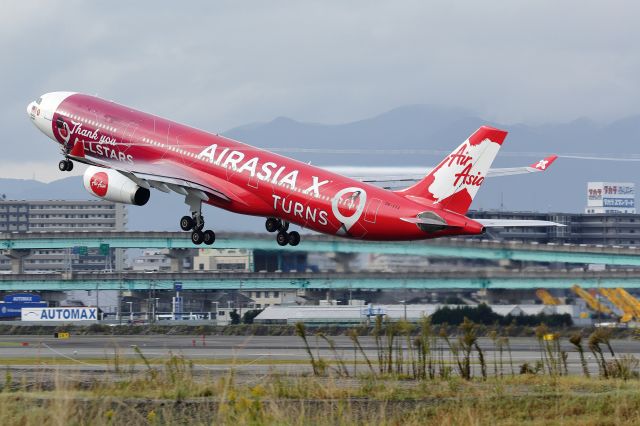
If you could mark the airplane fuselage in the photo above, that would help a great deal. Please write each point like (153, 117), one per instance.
(244, 179)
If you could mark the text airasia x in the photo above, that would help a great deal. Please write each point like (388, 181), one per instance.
(130, 152)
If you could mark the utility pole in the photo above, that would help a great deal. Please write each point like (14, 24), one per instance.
(240, 306)
(98, 299)
(406, 295)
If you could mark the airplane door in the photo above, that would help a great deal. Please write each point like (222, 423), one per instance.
(371, 212)
(129, 131)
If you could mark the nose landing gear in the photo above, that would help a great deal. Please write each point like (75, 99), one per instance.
(282, 237)
(195, 223)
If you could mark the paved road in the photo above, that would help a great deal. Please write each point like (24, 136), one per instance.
(258, 350)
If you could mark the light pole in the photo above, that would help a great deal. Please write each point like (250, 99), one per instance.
(240, 305)
(130, 311)
(98, 299)
(155, 308)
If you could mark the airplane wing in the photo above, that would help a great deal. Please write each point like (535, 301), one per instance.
(487, 223)
(539, 166)
(182, 180)
(394, 176)
(180, 186)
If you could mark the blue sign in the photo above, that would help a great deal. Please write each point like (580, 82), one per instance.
(177, 286)
(13, 310)
(22, 298)
(618, 202)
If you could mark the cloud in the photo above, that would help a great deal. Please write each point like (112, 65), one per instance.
(217, 65)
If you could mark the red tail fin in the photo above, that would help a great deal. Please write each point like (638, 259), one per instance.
(456, 180)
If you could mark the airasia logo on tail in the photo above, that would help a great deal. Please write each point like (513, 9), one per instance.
(463, 170)
(99, 184)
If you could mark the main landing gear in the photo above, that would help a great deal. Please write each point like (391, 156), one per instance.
(195, 223)
(65, 165)
(282, 237)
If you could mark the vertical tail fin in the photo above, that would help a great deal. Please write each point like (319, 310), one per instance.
(456, 180)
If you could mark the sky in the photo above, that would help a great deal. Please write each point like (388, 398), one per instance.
(220, 64)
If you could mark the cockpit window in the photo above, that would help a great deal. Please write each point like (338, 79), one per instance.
(38, 101)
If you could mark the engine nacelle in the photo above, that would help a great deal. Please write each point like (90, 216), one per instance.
(111, 185)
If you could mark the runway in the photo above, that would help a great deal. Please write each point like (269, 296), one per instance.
(245, 354)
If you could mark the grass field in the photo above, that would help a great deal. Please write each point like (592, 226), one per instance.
(407, 380)
(171, 395)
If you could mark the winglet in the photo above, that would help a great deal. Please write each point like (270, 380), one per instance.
(545, 163)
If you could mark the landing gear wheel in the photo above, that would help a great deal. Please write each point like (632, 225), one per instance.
(282, 238)
(272, 224)
(209, 237)
(294, 238)
(197, 237)
(284, 226)
(186, 223)
(65, 165)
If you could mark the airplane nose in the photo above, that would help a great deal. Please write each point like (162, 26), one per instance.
(30, 108)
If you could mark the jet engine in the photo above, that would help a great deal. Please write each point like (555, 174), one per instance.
(111, 185)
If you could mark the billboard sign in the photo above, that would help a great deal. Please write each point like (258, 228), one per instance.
(594, 192)
(14, 310)
(618, 189)
(22, 298)
(611, 197)
(59, 314)
(618, 202)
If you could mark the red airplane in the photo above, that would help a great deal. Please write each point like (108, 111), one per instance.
(130, 152)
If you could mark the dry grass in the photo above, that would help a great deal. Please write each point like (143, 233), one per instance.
(409, 382)
(171, 395)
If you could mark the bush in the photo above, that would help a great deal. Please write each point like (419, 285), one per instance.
(248, 316)
(235, 317)
(482, 314)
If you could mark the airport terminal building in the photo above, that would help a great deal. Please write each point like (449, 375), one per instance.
(617, 229)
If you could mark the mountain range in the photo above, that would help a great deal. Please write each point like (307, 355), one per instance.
(415, 135)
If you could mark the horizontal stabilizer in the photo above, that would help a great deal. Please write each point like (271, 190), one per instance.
(510, 223)
(426, 221)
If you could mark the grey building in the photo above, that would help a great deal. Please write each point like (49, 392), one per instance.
(622, 229)
(57, 215)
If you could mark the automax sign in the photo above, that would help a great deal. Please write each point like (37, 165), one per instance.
(22, 298)
(59, 314)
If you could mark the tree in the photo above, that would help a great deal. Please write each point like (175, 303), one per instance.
(235, 317)
(248, 316)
